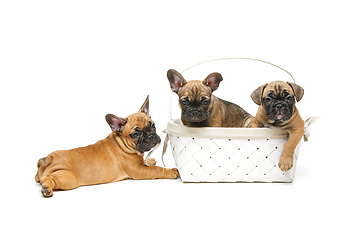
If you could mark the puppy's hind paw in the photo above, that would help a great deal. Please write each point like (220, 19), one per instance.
(46, 192)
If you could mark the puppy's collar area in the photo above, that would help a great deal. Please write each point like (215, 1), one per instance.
(151, 151)
(140, 153)
(124, 146)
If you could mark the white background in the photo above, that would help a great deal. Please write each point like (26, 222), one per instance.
(65, 64)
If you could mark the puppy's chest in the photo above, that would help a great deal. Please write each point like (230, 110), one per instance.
(274, 124)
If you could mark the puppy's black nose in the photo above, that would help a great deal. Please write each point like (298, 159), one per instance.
(153, 138)
(279, 107)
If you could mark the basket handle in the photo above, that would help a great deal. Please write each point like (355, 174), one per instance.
(244, 58)
(219, 59)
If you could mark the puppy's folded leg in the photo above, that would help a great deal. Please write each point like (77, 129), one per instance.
(150, 162)
(144, 172)
(61, 179)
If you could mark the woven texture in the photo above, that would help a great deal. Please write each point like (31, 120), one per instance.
(230, 160)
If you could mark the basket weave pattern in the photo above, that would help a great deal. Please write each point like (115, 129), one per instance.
(230, 160)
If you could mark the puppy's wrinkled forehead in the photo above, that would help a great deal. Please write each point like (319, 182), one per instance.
(278, 88)
(195, 90)
(140, 120)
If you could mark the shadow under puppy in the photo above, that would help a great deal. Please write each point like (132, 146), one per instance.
(200, 108)
(277, 109)
(115, 158)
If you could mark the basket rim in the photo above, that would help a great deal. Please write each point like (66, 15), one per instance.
(175, 127)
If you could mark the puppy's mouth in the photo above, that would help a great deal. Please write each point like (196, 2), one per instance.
(279, 117)
(148, 142)
(279, 114)
(195, 116)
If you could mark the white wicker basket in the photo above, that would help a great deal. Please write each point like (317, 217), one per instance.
(228, 154)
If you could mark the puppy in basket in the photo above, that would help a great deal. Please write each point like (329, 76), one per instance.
(115, 158)
(200, 108)
(277, 109)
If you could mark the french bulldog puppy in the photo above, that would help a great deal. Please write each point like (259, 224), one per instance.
(200, 108)
(277, 109)
(115, 158)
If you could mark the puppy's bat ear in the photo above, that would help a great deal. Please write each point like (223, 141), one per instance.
(213, 80)
(176, 80)
(116, 124)
(299, 91)
(256, 95)
(145, 107)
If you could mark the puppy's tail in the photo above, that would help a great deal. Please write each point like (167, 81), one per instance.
(42, 164)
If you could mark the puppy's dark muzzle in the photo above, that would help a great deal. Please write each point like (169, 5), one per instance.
(195, 115)
(148, 141)
(153, 138)
(279, 111)
(279, 107)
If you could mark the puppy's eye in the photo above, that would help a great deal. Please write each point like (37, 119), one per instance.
(152, 125)
(184, 101)
(204, 101)
(289, 98)
(135, 135)
(267, 99)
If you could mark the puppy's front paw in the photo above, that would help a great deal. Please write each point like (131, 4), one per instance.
(46, 191)
(285, 163)
(151, 162)
(174, 173)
